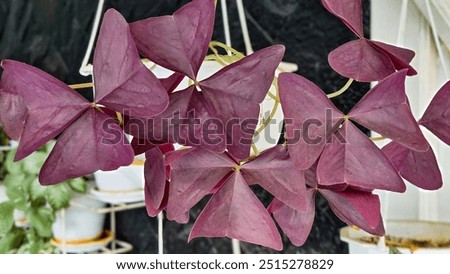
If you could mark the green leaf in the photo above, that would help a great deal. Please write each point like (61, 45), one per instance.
(37, 191)
(17, 190)
(11, 166)
(12, 240)
(78, 185)
(58, 196)
(6, 217)
(41, 219)
(33, 163)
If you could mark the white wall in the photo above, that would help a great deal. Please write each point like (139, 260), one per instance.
(385, 20)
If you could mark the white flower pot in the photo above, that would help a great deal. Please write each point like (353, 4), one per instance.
(128, 178)
(76, 223)
(417, 230)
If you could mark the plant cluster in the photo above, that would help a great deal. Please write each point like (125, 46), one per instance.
(216, 119)
(37, 203)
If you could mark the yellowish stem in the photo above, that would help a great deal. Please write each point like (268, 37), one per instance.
(376, 139)
(342, 90)
(81, 86)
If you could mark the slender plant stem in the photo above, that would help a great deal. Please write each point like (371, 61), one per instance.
(342, 90)
(376, 139)
(81, 86)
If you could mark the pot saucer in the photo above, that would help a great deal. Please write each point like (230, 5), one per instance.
(84, 246)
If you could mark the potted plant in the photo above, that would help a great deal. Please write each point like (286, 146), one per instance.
(28, 209)
(215, 120)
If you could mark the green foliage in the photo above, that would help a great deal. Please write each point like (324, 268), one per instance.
(7, 220)
(39, 203)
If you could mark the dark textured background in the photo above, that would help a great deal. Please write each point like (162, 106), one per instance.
(53, 35)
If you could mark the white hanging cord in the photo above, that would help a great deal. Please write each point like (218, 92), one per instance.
(160, 233)
(402, 23)
(436, 40)
(235, 244)
(226, 23)
(86, 68)
(244, 27)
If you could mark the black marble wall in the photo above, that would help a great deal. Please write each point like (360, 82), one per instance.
(53, 35)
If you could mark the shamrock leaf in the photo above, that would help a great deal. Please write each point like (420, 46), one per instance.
(235, 212)
(178, 42)
(85, 147)
(418, 168)
(357, 162)
(386, 100)
(311, 118)
(122, 84)
(437, 115)
(364, 60)
(13, 112)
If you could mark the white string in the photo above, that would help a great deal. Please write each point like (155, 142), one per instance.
(86, 68)
(226, 23)
(235, 244)
(402, 23)
(160, 233)
(436, 39)
(244, 27)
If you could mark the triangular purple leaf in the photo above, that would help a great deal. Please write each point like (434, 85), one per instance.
(51, 104)
(361, 61)
(155, 177)
(357, 161)
(171, 83)
(295, 224)
(235, 212)
(122, 82)
(246, 81)
(349, 11)
(13, 113)
(386, 100)
(275, 172)
(179, 42)
(357, 208)
(400, 57)
(419, 168)
(194, 175)
(437, 115)
(93, 142)
(308, 123)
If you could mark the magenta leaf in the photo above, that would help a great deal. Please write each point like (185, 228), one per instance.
(400, 57)
(171, 83)
(357, 208)
(154, 211)
(155, 177)
(235, 212)
(386, 100)
(437, 115)
(356, 161)
(244, 82)
(193, 175)
(295, 224)
(51, 105)
(308, 124)
(349, 11)
(13, 113)
(179, 42)
(419, 168)
(122, 82)
(275, 172)
(359, 60)
(163, 128)
(93, 142)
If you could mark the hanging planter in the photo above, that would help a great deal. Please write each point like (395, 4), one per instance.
(406, 237)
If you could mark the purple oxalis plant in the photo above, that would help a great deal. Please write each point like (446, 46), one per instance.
(325, 152)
